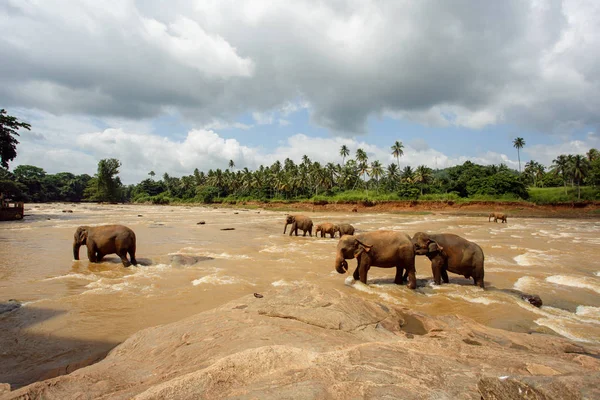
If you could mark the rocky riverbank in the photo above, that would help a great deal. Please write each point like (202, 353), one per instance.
(309, 342)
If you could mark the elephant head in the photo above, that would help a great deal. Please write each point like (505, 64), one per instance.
(423, 244)
(348, 247)
(290, 219)
(79, 239)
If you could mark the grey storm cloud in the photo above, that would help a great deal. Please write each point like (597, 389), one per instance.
(523, 62)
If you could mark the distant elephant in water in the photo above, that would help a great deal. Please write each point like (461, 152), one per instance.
(326, 228)
(105, 239)
(301, 222)
(384, 249)
(497, 216)
(449, 252)
(344, 229)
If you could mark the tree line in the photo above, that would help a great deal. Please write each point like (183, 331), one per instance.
(354, 178)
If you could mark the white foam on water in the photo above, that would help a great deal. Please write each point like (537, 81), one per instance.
(492, 269)
(281, 282)
(89, 277)
(371, 289)
(588, 311)
(496, 247)
(558, 327)
(494, 260)
(516, 236)
(478, 299)
(199, 252)
(532, 257)
(103, 286)
(525, 282)
(598, 273)
(575, 281)
(215, 279)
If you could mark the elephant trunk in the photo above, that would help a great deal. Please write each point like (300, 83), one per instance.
(285, 227)
(341, 265)
(76, 246)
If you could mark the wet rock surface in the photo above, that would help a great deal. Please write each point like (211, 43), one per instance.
(9, 305)
(184, 259)
(309, 342)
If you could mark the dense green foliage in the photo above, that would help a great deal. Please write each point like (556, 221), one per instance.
(355, 180)
(9, 127)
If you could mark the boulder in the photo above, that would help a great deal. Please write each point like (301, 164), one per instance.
(305, 342)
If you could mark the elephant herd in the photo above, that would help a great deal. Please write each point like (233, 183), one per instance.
(388, 249)
(382, 248)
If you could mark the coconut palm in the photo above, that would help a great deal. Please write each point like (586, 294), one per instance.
(560, 167)
(407, 174)
(392, 175)
(592, 155)
(376, 172)
(344, 152)
(519, 143)
(231, 164)
(397, 151)
(423, 176)
(580, 168)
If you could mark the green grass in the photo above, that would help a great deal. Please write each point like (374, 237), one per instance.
(557, 194)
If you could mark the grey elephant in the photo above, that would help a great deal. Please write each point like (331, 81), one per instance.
(384, 249)
(344, 229)
(449, 252)
(325, 228)
(105, 239)
(301, 222)
(497, 216)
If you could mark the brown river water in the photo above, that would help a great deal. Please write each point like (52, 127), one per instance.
(75, 310)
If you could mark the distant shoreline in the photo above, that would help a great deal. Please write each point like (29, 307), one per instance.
(584, 210)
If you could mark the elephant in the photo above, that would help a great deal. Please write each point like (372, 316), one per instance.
(301, 222)
(497, 216)
(384, 249)
(105, 239)
(344, 229)
(325, 228)
(449, 252)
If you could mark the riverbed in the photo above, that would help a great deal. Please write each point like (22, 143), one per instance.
(74, 311)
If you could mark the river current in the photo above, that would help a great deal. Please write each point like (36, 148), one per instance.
(73, 310)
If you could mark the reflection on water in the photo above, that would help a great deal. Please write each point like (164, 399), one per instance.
(105, 302)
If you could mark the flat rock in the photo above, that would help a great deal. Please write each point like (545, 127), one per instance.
(306, 342)
(10, 305)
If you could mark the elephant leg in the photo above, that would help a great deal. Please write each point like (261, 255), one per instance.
(436, 269)
(132, 256)
(123, 256)
(99, 256)
(444, 274)
(363, 268)
(91, 251)
(355, 275)
(399, 279)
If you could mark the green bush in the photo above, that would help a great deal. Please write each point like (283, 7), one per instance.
(207, 194)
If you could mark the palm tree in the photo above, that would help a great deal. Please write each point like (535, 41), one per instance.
(231, 164)
(344, 152)
(397, 151)
(592, 155)
(519, 143)
(152, 174)
(392, 175)
(580, 169)
(376, 172)
(560, 166)
(407, 174)
(361, 158)
(422, 176)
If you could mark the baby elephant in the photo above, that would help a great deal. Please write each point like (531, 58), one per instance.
(497, 216)
(325, 228)
(449, 252)
(103, 240)
(344, 229)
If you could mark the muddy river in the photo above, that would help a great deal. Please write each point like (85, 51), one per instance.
(74, 312)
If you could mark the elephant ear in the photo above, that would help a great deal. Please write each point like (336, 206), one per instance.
(433, 247)
(360, 248)
(81, 235)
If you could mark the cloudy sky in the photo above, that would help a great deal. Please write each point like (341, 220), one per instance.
(190, 84)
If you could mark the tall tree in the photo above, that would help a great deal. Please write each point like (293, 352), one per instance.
(422, 176)
(9, 126)
(560, 166)
(361, 159)
(105, 185)
(519, 143)
(231, 164)
(592, 155)
(344, 152)
(397, 151)
(376, 172)
(580, 168)
(152, 174)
